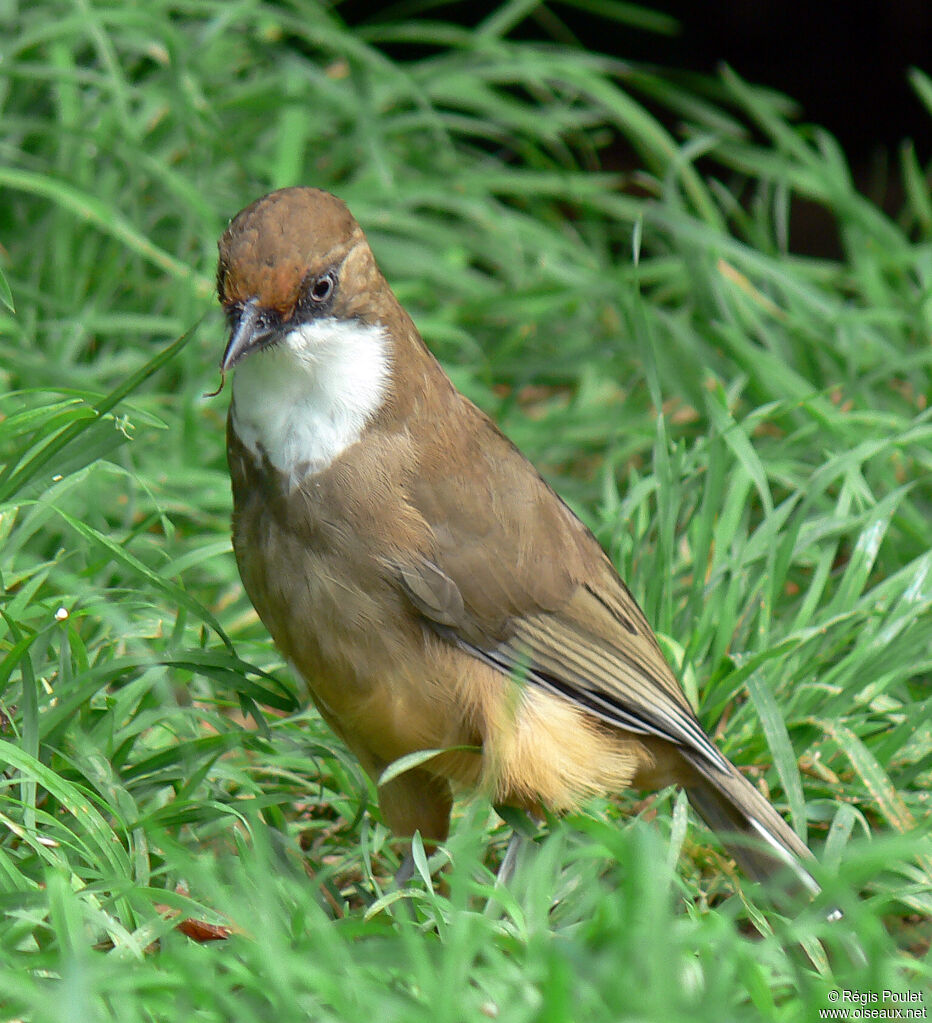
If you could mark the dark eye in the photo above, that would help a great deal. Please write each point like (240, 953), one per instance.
(322, 288)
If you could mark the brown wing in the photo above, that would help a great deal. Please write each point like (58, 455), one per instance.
(528, 589)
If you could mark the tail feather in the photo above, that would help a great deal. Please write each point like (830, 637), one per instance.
(760, 840)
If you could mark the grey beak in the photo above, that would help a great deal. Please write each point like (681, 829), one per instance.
(250, 333)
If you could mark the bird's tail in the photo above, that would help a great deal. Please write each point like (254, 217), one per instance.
(760, 840)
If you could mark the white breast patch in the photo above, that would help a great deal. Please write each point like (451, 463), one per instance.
(307, 399)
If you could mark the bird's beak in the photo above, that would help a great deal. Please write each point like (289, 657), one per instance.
(251, 332)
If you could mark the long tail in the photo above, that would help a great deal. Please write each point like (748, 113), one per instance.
(760, 840)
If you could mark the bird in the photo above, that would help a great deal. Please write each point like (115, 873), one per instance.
(430, 589)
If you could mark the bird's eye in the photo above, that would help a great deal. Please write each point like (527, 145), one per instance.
(322, 288)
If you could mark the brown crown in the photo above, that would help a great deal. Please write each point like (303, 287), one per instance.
(279, 240)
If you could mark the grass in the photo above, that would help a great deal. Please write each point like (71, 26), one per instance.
(745, 428)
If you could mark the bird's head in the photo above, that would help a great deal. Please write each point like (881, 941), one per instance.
(289, 262)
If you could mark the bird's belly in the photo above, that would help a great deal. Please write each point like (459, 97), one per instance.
(389, 686)
(379, 677)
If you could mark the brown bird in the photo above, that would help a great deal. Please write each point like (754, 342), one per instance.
(426, 583)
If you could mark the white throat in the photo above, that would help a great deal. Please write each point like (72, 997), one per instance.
(304, 401)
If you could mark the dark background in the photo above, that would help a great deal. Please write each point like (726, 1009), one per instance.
(845, 62)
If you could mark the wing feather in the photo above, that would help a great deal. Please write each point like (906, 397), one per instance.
(524, 586)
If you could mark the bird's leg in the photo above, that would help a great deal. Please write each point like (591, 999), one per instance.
(403, 875)
(523, 827)
(506, 870)
(405, 871)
